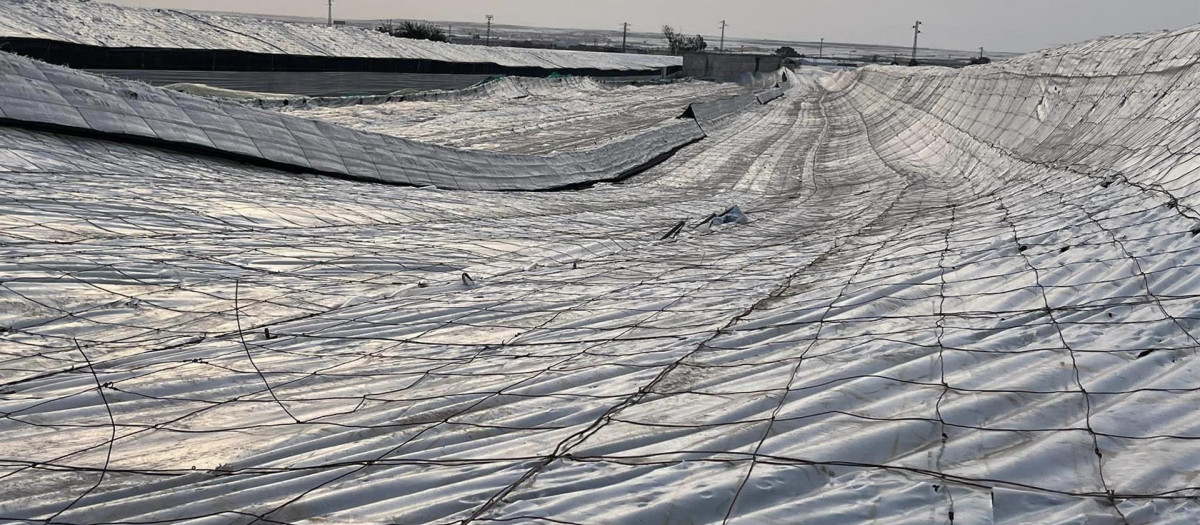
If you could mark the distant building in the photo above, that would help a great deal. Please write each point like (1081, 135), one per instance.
(729, 67)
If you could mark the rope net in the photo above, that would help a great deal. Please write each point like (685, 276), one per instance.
(962, 297)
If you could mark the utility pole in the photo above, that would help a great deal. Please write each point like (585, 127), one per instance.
(723, 26)
(916, 33)
(821, 52)
(330, 13)
(981, 52)
(489, 30)
(624, 35)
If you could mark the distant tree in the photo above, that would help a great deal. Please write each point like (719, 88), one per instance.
(787, 52)
(415, 30)
(674, 40)
(680, 44)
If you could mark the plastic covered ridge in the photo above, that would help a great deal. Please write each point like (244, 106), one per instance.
(107, 25)
(38, 94)
(964, 297)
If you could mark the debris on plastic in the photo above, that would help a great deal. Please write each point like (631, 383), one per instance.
(733, 215)
(674, 232)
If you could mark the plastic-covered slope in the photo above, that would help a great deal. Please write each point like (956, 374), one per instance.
(521, 115)
(1119, 107)
(506, 87)
(41, 95)
(713, 110)
(962, 297)
(1064, 352)
(107, 25)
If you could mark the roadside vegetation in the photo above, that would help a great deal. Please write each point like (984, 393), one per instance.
(680, 44)
(414, 30)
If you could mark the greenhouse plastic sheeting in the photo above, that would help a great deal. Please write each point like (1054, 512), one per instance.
(713, 110)
(767, 96)
(107, 25)
(36, 93)
(963, 297)
(525, 116)
(506, 87)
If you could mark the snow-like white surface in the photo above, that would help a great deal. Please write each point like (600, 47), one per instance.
(101, 24)
(39, 94)
(962, 296)
(205, 90)
(522, 115)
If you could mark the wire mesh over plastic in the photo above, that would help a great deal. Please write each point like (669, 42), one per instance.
(39, 95)
(964, 297)
(109, 25)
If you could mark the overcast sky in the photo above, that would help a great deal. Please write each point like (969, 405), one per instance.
(1005, 25)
